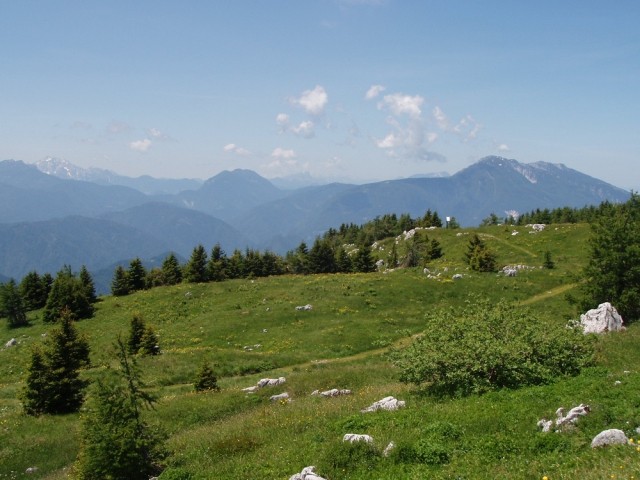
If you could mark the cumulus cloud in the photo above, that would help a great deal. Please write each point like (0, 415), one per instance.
(282, 120)
(503, 147)
(374, 91)
(233, 148)
(440, 118)
(140, 145)
(400, 104)
(283, 154)
(467, 128)
(157, 134)
(312, 101)
(305, 129)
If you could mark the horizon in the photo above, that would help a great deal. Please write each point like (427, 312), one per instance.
(364, 90)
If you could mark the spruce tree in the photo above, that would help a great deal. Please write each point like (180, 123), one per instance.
(363, 261)
(12, 306)
(612, 273)
(116, 442)
(67, 293)
(478, 255)
(53, 383)
(195, 270)
(136, 332)
(171, 271)
(87, 282)
(120, 282)
(33, 291)
(206, 380)
(136, 275)
(149, 342)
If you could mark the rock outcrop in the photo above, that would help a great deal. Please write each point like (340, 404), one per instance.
(603, 319)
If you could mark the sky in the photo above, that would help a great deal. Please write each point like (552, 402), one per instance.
(350, 90)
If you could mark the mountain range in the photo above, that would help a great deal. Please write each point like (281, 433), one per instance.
(96, 218)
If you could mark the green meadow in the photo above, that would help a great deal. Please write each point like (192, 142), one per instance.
(250, 329)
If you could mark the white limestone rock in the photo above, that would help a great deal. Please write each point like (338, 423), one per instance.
(612, 436)
(603, 319)
(387, 403)
(356, 437)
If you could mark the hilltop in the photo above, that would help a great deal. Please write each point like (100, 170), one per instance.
(250, 329)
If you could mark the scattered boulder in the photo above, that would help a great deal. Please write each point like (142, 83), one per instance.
(11, 343)
(31, 470)
(271, 382)
(603, 319)
(265, 382)
(307, 473)
(387, 403)
(457, 276)
(561, 419)
(612, 436)
(334, 392)
(356, 437)
(304, 307)
(509, 272)
(284, 397)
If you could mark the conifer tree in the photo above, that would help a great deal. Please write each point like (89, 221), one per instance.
(136, 275)
(478, 255)
(120, 282)
(53, 383)
(149, 342)
(171, 271)
(33, 291)
(196, 269)
(67, 293)
(87, 283)
(136, 332)
(363, 261)
(343, 261)
(206, 380)
(116, 442)
(12, 305)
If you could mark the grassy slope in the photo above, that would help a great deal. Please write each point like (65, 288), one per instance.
(340, 343)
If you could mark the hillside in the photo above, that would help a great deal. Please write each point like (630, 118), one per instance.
(250, 329)
(241, 209)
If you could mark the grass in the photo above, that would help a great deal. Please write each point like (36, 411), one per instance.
(249, 329)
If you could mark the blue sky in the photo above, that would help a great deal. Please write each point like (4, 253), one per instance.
(341, 89)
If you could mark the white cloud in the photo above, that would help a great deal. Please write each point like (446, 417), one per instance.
(312, 101)
(467, 128)
(441, 118)
(503, 147)
(233, 148)
(155, 133)
(400, 104)
(282, 153)
(374, 91)
(432, 137)
(140, 145)
(305, 129)
(390, 141)
(282, 120)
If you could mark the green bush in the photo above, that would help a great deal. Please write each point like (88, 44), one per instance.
(488, 347)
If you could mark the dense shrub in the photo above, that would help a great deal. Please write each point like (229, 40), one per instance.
(488, 347)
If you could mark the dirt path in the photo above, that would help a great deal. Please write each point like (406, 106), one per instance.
(549, 293)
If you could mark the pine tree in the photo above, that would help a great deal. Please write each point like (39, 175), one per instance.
(136, 332)
(612, 273)
(548, 261)
(321, 257)
(33, 291)
(87, 283)
(116, 442)
(206, 380)
(392, 259)
(53, 383)
(149, 342)
(12, 306)
(171, 271)
(136, 275)
(67, 293)
(120, 282)
(363, 261)
(196, 269)
(343, 261)
(479, 257)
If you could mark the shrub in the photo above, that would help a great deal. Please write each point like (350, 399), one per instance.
(206, 380)
(348, 457)
(488, 347)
